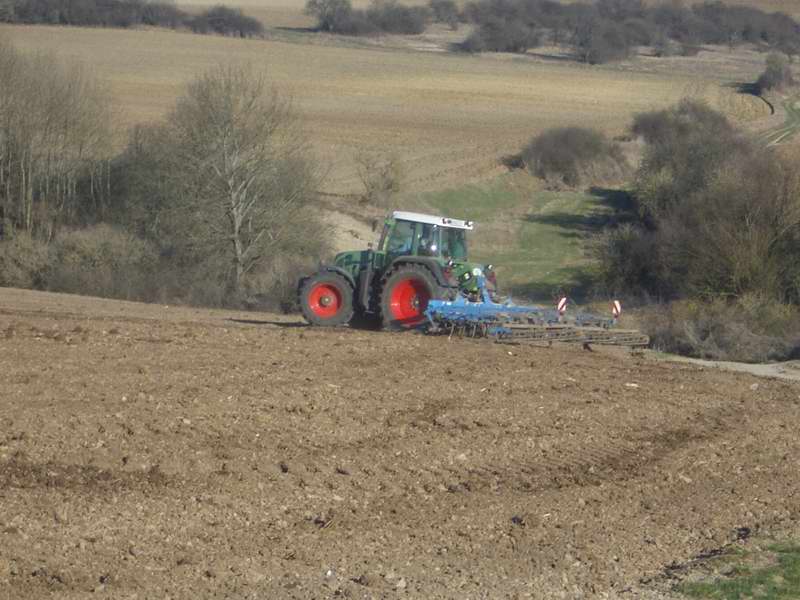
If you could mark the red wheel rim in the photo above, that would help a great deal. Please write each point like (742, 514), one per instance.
(408, 301)
(325, 300)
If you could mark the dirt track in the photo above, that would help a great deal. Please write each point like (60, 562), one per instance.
(152, 452)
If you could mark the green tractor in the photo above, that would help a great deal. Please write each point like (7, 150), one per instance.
(418, 258)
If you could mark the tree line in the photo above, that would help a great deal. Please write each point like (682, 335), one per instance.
(210, 206)
(129, 13)
(600, 31)
(608, 30)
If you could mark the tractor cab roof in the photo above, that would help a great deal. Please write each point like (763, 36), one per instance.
(432, 220)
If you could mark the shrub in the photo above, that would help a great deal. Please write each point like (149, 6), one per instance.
(23, 262)
(628, 261)
(101, 261)
(356, 22)
(226, 21)
(737, 233)
(331, 15)
(751, 329)
(381, 176)
(597, 41)
(667, 126)
(639, 32)
(684, 144)
(162, 14)
(497, 35)
(338, 16)
(663, 46)
(276, 287)
(719, 215)
(573, 155)
(445, 11)
(777, 75)
(392, 17)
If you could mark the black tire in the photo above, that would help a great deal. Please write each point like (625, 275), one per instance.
(405, 293)
(326, 299)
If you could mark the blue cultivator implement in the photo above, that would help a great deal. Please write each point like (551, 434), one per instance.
(506, 322)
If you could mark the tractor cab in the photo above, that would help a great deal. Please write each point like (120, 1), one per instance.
(415, 234)
(418, 258)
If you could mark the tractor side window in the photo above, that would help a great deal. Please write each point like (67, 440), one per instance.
(401, 239)
(428, 244)
(454, 244)
(384, 232)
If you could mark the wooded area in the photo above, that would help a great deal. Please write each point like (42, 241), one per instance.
(208, 206)
(129, 13)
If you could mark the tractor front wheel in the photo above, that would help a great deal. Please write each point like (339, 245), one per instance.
(405, 296)
(326, 299)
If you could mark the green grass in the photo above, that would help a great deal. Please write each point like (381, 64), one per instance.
(537, 239)
(778, 582)
(477, 202)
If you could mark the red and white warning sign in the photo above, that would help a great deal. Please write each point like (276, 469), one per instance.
(616, 309)
(562, 306)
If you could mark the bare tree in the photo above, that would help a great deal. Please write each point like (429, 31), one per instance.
(381, 175)
(241, 167)
(54, 141)
(330, 14)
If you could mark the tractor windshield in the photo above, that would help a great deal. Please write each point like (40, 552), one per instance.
(454, 243)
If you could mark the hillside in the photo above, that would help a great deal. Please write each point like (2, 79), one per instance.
(448, 118)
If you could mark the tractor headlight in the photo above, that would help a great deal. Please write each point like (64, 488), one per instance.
(466, 276)
(477, 272)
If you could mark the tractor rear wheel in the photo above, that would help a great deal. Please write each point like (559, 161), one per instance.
(326, 299)
(405, 294)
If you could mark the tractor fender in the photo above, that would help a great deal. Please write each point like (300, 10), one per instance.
(339, 271)
(434, 267)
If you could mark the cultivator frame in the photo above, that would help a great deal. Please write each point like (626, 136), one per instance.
(506, 322)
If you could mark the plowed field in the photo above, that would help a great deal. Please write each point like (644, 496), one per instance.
(159, 452)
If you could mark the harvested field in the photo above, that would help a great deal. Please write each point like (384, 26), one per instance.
(790, 7)
(447, 117)
(150, 451)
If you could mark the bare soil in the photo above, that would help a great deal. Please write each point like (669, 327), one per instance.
(165, 452)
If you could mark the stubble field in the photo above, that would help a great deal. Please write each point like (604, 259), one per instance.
(447, 117)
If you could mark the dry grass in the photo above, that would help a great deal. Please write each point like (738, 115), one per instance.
(448, 117)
